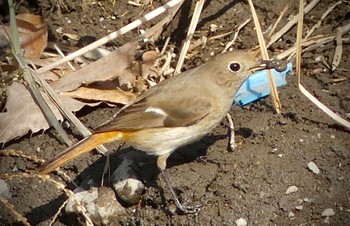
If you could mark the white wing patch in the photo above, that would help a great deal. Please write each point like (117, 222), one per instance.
(156, 110)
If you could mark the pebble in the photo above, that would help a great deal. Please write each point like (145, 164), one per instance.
(291, 189)
(126, 183)
(4, 190)
(291, 214)
(308, 200)
(313, 167)
(326, 220)
(299, 207)
(100, 205)
(328, 212)
(241, 222)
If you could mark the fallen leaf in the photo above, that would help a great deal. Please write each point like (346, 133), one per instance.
(116, 96)
(106, 68)
(32, 31)
(23, 114)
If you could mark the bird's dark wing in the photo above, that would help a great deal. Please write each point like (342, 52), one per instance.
(176, 112)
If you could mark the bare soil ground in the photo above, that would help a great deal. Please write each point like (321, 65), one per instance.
(273, 150)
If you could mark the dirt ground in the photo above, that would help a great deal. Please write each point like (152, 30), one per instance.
(250, 182)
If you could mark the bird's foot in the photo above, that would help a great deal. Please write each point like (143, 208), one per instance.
(187, 209)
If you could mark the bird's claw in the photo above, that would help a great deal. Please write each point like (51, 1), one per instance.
(185, 209)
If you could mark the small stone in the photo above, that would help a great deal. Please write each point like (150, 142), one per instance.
(328, 212)
(213, 27)
(313, 167)
(326, 220)
(291, 214)
(291, 189)
(299, 201)
(172, 208)
(99, 204)
(308, 200)
(4, 190)
(299, 207)
(340, 178)
(126, 183)
(241, 222)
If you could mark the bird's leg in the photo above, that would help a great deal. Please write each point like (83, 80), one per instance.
(161, 162)
(183, 208)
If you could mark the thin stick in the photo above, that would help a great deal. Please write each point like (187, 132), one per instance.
(33, 89)
(191, 30)
(278, 20)
(62, 55)
(299, 39)
(325, 14)
(291, 23)
(265, 56)
(315, 41)
(231, 131)
(339, 48)
(320, 105)
(228, 45)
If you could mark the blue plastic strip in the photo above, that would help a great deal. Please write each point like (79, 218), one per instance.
(257, 85)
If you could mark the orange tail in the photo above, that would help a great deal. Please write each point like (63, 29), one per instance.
(83, 146)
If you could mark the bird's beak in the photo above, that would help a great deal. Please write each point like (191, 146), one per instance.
(278, 65)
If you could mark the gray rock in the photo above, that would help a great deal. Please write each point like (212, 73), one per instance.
(126, 183)
(4, 190)
(313, 167)
(291, 189)
(100, 205)
(241, 222)
(328, 212)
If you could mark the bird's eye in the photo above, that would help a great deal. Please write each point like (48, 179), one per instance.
(234, 66)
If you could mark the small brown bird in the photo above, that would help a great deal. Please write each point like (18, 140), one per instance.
(174, 113)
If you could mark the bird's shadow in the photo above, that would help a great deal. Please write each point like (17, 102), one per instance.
(146, 165)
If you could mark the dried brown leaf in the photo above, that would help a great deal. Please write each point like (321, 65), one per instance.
(32, 31)
(23, 115)
(106, 68)
(116, 96)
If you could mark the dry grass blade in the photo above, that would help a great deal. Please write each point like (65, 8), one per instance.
(112, 36)
(320, 105)
(55, 217)
(191, 29)
(235, 36)
(68, 114)
(312, 43)
(325, 14)
(278, 20)
(27, 74)
(20, 220)
(62, 55)
(299, 39)
(231, 131)
(265, 56)
(339, 48)
(291, 23)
